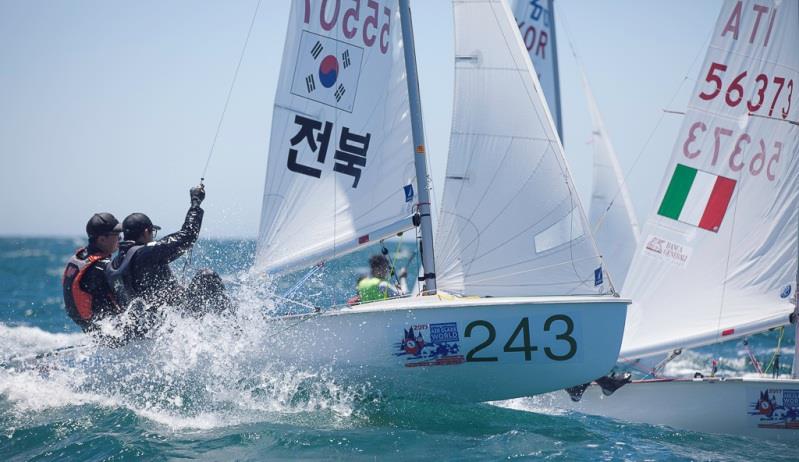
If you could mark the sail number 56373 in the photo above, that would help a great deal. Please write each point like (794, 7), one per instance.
(520, 340)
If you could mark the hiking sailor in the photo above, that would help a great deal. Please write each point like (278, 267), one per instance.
(87, 296)
(141, 269)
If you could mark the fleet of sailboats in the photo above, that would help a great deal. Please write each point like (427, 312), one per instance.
(514, 301)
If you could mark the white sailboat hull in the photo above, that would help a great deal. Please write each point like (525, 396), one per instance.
(731, 406)
(478, 349)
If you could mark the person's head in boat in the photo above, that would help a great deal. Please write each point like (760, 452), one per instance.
(379, 267)
(139, 228)
(103, 231)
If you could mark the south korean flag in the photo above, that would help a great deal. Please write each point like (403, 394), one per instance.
(327, 71)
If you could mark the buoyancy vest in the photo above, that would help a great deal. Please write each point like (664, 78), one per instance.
(120, 278)
(369, 290)
(78, 302)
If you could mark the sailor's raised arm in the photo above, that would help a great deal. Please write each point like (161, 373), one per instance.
(171, 247)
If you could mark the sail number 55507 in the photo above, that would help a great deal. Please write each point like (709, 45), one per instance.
(365, 23)
(520, 340)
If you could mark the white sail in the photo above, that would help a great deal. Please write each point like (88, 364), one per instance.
(340, 171)
(719, 253)
(536, 22)
(611, 212)
(511, 222)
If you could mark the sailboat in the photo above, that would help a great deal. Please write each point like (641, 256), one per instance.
(718, 260)
(610, 213)
(513, 301)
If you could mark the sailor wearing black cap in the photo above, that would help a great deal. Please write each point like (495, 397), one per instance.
(141, 269)
(87, 295)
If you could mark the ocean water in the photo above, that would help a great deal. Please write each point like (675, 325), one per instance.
(195, 391)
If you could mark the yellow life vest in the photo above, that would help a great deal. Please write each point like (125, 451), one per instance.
(369, 290)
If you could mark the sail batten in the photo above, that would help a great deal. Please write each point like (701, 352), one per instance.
(718, 256)
(511, 223)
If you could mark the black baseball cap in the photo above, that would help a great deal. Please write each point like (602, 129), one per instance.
(135, 223)
(102, 223)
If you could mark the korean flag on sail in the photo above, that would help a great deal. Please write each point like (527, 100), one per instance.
(327, 71)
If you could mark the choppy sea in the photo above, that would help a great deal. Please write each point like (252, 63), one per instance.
(196, 392)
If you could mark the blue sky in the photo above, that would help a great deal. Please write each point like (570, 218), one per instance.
(113, 106)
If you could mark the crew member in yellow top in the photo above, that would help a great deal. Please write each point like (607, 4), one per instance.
(376, 286)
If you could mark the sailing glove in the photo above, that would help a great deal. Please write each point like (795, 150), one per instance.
(197, 195)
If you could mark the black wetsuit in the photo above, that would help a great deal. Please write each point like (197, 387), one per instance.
(149, 276)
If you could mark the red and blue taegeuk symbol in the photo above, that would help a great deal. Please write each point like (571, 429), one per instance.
(328, 71)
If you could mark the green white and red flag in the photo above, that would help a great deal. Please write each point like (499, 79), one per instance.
(697, 198)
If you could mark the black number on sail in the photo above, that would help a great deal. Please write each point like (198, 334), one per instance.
(566, 335)
(492, 334)
(524, 329)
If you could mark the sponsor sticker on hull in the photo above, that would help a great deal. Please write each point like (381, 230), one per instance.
(774, 408)
(435, 344)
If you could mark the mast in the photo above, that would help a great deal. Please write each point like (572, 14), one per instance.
(558, 118)
(795, 317)
(428, 260)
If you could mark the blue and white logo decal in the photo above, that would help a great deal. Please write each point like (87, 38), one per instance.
(444, 332)
(408, 192)
(786, 292)
(430, 345)
(598, 277)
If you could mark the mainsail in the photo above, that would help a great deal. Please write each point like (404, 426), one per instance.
(536, 22)
(340, 171)
(511, 222)
(611, 212)
(718, 257)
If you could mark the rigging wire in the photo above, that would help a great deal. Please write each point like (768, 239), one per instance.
(392, 261)
(775, 358)
(230, 92)
(303, 279)
(752, 357)
(188, 261)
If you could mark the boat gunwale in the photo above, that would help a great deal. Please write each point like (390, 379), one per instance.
(436, 302)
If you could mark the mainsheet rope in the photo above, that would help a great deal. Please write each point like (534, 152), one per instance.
(188, 261)
(230, 92)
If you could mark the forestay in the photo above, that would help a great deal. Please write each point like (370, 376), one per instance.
(719, 253)
(611, 212)
(511, 223)
(340, 171)
(536, 22)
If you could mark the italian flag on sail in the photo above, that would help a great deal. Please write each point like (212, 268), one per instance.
(697, 198)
